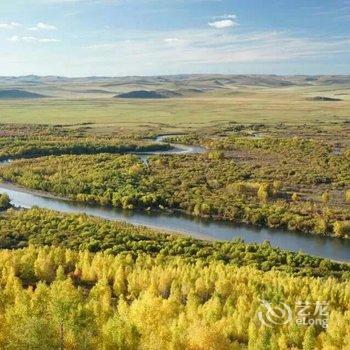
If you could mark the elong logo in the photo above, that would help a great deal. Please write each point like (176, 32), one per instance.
(306, 313)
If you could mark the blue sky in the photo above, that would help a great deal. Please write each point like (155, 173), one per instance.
(153, 37)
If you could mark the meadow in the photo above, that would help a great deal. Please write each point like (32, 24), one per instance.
(210, 107)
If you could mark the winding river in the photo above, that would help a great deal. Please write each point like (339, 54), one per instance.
(327, 247)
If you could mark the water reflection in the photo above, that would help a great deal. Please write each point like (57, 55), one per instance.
(337, 249)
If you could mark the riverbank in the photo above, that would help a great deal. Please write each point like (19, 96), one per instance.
(325, 247)
(179, 221)
(10, 189)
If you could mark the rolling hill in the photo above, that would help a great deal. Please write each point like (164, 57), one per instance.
(141, 94)
(13, 94)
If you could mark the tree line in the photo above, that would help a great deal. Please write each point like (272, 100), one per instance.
(39, 227)
(198, 184)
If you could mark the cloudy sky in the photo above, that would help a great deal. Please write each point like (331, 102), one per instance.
(151, 37)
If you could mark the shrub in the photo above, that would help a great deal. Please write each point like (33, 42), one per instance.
(341, 228)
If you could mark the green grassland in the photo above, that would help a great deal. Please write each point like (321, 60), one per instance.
(210, 107)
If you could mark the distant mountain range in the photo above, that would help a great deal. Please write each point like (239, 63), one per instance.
(156, 87)
(218, 79)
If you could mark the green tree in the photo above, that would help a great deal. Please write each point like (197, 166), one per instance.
(347, 196)
(264, 192)
(295, 197)
(326, 197)
(310, 338)
(4, 201)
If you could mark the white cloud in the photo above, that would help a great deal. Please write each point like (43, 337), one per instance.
(172, 40)
(109, 46)
(43, 26)
(48, 40)
(225, 23)
(202, 51)
(228, 16)
(10, 25)
(14, 38)
(32, 39)
(29, 39)
(206, 47)
(189, 50)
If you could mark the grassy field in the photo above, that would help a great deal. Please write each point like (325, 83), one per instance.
(246, 105)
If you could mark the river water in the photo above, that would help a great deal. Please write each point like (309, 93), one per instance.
(333, 248)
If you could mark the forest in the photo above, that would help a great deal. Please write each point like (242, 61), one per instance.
(30, 141)
(297, 183)
(39, 227)
(73, 281)
(55, 298)
(202, 185)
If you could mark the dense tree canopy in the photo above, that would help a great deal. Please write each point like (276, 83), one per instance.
(80, 232)
(198, 184)
(52, 298)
